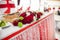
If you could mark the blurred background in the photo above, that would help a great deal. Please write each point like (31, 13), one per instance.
(44, 6)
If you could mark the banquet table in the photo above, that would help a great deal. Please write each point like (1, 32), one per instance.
(42, 29)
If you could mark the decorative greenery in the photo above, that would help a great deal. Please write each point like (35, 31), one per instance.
(21, 18)
(2, 23)
(20, 24)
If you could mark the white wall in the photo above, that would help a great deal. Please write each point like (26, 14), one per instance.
(26, 3)
(52, 4)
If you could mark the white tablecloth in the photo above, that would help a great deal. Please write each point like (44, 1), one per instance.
(8, 31)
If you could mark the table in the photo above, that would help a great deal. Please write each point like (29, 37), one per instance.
(38, 30)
